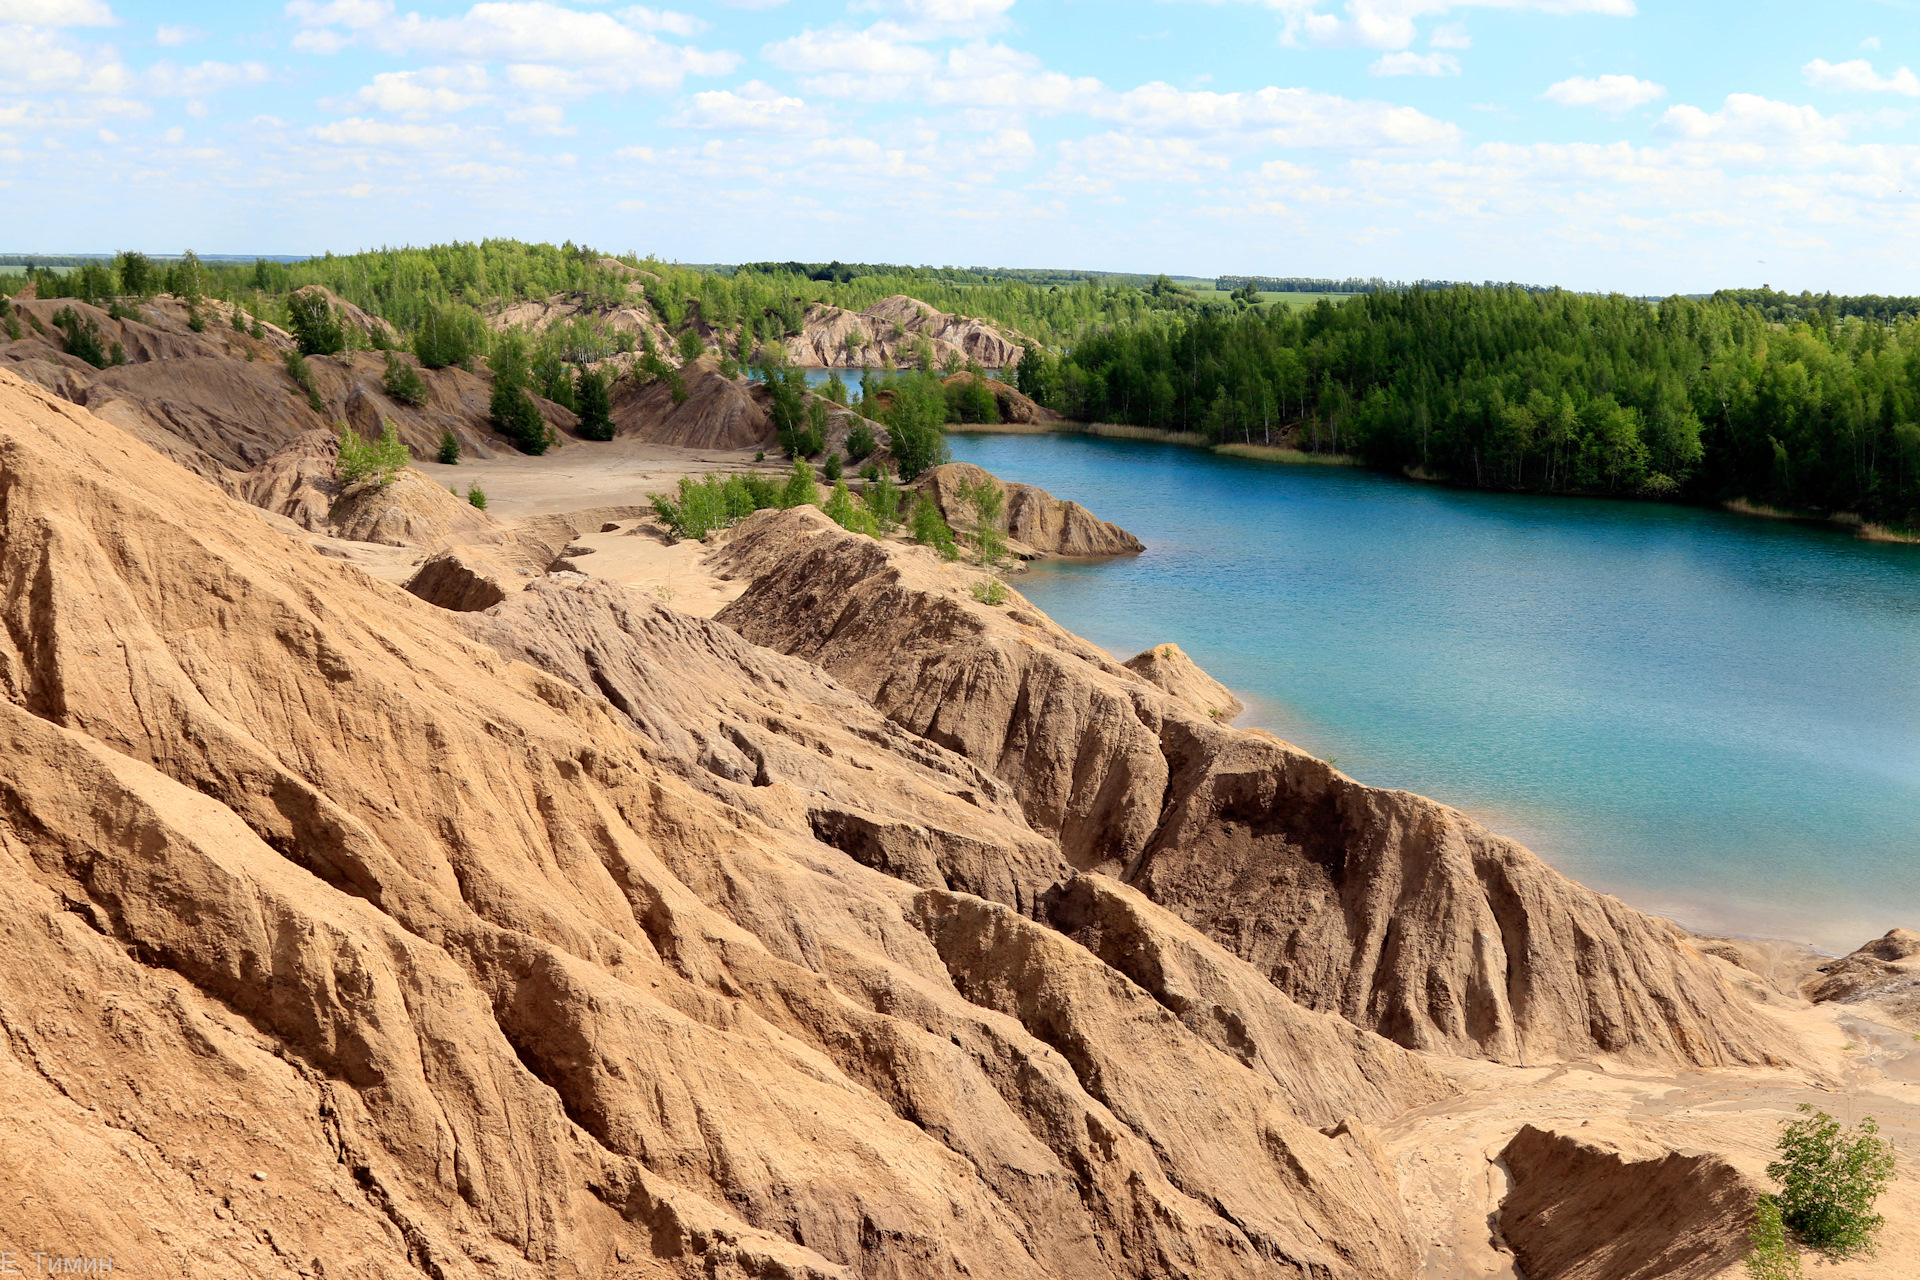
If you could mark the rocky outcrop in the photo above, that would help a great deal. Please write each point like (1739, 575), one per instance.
(412, 511)
(1012, 405)
(297, 481)
(1885, 972)
(334, 933)
(892, 329)
(1396, 912)
(1602, 1203)
(1037, 523)
(1168, 666)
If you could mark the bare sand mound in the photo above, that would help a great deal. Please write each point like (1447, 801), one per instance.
(1602, 1203)
(718, 412)
(1399, 913)
(1012, 404)
(835, 338)
(336, 932)
(1168, 666)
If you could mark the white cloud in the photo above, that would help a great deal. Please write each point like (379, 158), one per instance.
(756, 108)
(839, 49)
(168, 36)
(1613, 94)
(550, 48)
(358, 132)
(423, 92)
(1752, 130)
(1394, 24)
(1281, 118)
(1452, 36)
(1871, 43)
(168, 80)
(932, 19)
(1415, 64)
(1859, 76)
(57, 13)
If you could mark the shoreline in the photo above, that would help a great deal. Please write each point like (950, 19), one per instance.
(1863, 530)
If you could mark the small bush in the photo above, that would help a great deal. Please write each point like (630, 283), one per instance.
(82, 337)
(378, 460)
(692, 346)
(403, 382)
(476, 496)
(883, 499)
(861, 441)
(990, 591)
(834, 468)
(449, 454)
(238, 320)
(930, 528)
(1829, 1178)
(1772, 1255)
(196, 321)
(511, 406)
(849, 514)
(315, 324)
(800, 488)
(712, 503)
(257, 330)
(302, 375)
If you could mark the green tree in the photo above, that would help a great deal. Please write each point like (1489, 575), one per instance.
(1830, 1177)
(302, 374)
(692, 346)
(800, 488)
(1770, 1254)
(860, 440)
(915, 420)
(883, 499)
(511, 406)
(137, 276)
(82, 336)
(476, 496)
(448, 335)
(930, 528)
(449, 454)
(315, 324)
(403, 382)
(593, 396)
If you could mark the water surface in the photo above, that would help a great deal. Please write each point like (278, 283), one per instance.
(1715, 717)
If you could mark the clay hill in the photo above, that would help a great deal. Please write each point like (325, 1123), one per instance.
(866, 929)
(1037, 523)
(892, 329)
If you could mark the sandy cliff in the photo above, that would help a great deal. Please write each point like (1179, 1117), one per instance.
(544, 967)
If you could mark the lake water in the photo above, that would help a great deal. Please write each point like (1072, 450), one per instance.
(1713, 716)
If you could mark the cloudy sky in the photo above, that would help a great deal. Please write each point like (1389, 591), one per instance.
(1640, 145)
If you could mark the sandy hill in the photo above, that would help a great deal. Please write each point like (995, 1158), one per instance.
(866, 930)
(835, 338)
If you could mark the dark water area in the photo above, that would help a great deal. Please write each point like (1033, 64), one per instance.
(1715, 717)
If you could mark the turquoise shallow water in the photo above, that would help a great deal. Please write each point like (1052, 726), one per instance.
(1715, 717)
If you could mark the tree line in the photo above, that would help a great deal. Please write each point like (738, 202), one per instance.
(1549, 392)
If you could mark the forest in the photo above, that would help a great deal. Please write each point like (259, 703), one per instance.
(1552, 392)
(1808, 402)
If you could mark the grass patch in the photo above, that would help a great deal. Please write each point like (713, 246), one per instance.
(1120, 431)
(1003, 428)
(1292, 457)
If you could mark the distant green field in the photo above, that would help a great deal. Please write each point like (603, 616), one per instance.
(1207, 293)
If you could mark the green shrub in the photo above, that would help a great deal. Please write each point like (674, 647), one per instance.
(256, 330)
(378, 460)
(836, 388)
(315, 324)
(1829, 1178)
(82, 336)
(449, 454)
(692, 346)
(930, 528)
(476, 496)
(990, 590)
(914, 420)
(800, 489)
(593, 400)
(302, 375)
(834, 467)
(13, 328)
(196, 321)
(403, 382)
(883, 499)
(861, 441)
(237, 319)
(849, 514)
(137, 276)
(712, 503)
(989, 502)
(448, 336)
(1771, 1255)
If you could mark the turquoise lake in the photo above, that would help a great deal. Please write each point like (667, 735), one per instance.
(1715, 717)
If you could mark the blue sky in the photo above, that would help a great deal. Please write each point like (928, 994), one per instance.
(1600, 144)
